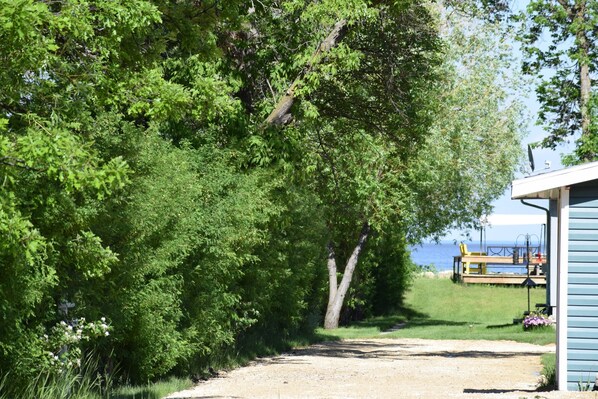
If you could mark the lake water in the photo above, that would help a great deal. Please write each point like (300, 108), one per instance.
(441, 255)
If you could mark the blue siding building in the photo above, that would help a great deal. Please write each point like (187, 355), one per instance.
(573, 196)
(582, 296)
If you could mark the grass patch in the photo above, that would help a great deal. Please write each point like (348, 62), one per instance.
(441, 309)
(154, 390)
(89, 386)
(548, 381)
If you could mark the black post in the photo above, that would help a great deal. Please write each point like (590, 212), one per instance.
(529, 283)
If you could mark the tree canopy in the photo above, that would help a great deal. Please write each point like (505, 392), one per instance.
(176, 176)
(559, 43)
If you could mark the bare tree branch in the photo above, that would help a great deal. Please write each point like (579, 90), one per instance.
(280, 115)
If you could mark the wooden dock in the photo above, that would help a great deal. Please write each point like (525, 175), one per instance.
(485, 275)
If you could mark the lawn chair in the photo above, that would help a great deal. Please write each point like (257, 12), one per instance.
(480, 267)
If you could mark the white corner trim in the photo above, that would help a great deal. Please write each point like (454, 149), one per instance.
(562, 289)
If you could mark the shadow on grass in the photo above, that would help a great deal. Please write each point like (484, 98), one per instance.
(410, 318)
(436, 323)
(405, 316)
(497, 326)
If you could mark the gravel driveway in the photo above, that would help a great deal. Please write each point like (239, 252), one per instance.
(390, 368)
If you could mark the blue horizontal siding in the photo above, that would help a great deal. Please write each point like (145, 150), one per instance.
(583, 257)
(583, 235)
(576, 354)
(583, 224)
(578, 381)
(582, 308)
(583, 322)
(575, 332)
(583, 290)
(583, 343)
(583, 213)
(581, 278)
(583, 246)
(583, 267)
(581, 375)
(582, 300)
(587, 366)
(582, 311)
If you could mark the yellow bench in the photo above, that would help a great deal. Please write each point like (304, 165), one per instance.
(480, 268)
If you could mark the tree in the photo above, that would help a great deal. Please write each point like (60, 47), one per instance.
(365, 126)
(392, 180)
(473, 146)
(568, 61)
(354, 84)
(361, 113)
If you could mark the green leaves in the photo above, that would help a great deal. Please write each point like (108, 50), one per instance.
(565, 67)
(140, 183)
(473, 147)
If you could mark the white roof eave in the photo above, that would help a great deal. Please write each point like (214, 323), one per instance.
(546, 185)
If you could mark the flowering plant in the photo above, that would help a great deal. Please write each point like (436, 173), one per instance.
(64, 342)
(536, 320)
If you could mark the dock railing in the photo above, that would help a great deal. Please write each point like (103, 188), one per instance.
(518, 253)
(503, 257)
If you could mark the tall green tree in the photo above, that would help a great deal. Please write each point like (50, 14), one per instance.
(361, 110)
(559, 42)
(473, 147)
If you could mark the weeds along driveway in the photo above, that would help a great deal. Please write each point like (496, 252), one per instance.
(390, 368)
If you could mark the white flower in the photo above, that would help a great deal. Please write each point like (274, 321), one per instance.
(103, 319)
(106, 333)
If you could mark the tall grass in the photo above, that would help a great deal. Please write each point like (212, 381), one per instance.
(69, 384)
(441, 309)
(548, 381)
(86, 383)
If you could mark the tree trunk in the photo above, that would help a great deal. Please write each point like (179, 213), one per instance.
(585, 84)
(578, 19)
(335, 302)
(332, 281)
(280, 115)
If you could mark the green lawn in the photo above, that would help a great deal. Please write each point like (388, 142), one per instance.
(441, 309)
